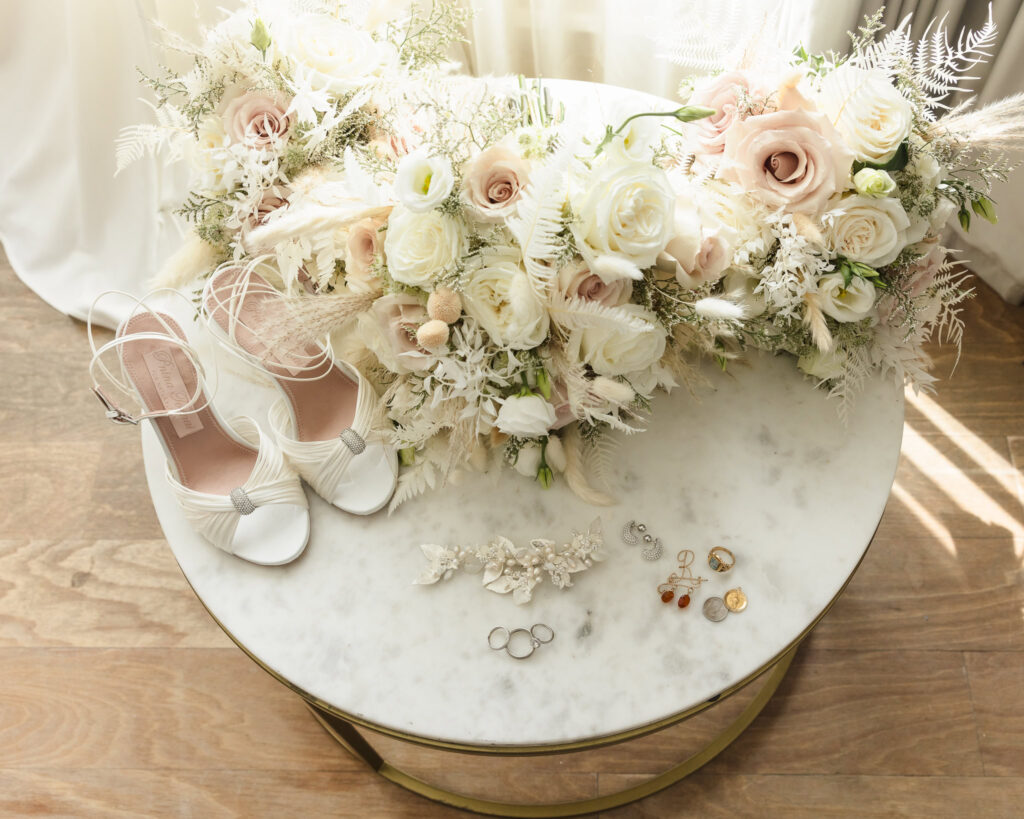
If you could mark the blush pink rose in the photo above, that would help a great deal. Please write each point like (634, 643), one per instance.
(399, 317)
(257, 118)
(493, 182)
(723, 94)
(576, 281)
(363, 246)
(793, 160)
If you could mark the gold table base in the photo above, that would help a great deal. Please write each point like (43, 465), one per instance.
(352, 740)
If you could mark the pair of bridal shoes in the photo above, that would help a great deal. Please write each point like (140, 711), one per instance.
(239, 487)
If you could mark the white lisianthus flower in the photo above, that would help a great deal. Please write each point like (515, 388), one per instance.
(420, 246)
(625, 213)
(636, 141)
(871, 231)
(846, 303)
(528, 460)
(623, 351)
(333, 55)
(873, 183)
(209, 156)
(739, 287)
(423, 181)
(499, 296)
(870, 113)
(525, 416)
(822, 365)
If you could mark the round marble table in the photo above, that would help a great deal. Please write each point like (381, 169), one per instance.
(758, 462)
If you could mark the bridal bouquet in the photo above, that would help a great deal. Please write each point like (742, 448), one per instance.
(517, 279)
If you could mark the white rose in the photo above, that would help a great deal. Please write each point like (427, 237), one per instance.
(873, 183)
(525, 416)
(623, 351)
(333, 55)
(822, 365)
(870, 113)
(419, 246)
(730, 206)
(846, 303)
(626, 213)
(423, 181)
(499, 296)
(872, 231)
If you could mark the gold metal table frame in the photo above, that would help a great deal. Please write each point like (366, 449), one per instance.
(344, 728)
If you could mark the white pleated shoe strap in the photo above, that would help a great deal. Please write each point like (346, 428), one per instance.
(324, 464)
(272, 480)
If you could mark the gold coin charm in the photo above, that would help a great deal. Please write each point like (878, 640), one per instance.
(735, 600)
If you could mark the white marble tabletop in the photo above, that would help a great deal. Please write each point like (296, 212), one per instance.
(759, 463)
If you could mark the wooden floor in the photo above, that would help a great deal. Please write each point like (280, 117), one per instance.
(119, 696)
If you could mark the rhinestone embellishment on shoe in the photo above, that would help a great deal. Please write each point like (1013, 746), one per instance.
(242, 502)
(353, 440)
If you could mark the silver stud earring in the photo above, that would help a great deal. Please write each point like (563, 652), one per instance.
(634, 532)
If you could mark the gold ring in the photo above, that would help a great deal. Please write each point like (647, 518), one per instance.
(721, 559)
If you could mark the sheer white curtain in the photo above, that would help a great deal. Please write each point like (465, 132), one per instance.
(68, 83)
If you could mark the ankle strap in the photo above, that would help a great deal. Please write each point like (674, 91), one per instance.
(120, 381)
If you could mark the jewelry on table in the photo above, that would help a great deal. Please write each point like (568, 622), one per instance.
(721, 559)
(684, 579)
(717, 609)
(520, 643)
(507, 567)
(634, 532)
(735, 600)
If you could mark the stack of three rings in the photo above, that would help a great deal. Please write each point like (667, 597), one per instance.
(520, 643)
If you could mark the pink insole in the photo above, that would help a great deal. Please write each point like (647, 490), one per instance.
(206, 457)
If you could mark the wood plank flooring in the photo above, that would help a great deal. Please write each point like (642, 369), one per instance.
(120, 697)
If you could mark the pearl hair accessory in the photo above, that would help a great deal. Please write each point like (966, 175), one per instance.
(634, 532)
(507, 567)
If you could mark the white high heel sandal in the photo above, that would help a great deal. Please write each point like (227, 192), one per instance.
(323, 420)
(231, 481)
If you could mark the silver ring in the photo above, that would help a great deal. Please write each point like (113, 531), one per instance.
(499, 630)
(546, 635)
(516, 648)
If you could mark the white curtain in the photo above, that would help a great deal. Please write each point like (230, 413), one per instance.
(68, 83)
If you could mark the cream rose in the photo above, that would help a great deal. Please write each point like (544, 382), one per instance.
(871, 231)
(846, 302)
(723, 94)
(423, 181)
(575, 280)
(397, 318)
(626, 214)
(334, 56)
(870, 113)
(873, 183)
(362, 246)
(793, 160)
(257, 118)
(499, 296)
(525, 416)
(419, 246)
(493, 182)
(623, 351)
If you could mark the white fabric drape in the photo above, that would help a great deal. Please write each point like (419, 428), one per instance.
(68, 83)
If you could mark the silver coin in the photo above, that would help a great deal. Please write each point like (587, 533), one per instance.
(715, 610)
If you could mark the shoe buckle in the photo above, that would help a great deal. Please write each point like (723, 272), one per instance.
(114, 413)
